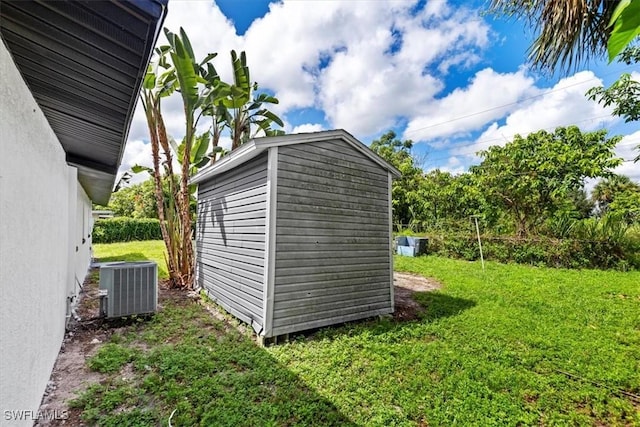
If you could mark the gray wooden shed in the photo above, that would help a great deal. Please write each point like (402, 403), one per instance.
(294, 232)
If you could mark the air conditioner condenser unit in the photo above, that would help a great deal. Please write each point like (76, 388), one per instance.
(128, 288)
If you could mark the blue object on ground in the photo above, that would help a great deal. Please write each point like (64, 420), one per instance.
(411, 246)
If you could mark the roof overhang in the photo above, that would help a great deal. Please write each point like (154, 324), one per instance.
(257, 146)
(84, 62)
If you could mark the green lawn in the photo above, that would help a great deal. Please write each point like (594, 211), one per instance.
(152, 250)
(515, 345)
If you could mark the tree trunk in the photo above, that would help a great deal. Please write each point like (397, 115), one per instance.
(153, 117)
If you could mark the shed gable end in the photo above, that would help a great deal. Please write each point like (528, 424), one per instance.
(332, 237)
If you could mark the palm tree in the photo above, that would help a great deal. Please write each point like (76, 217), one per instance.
(606, 191)
(569, 32)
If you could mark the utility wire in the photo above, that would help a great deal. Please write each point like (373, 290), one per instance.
(550, 128)
(470, 152)
(505, 138)
(564, 88)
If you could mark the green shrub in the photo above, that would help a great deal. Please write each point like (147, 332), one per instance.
(608, 249)
(124, 229)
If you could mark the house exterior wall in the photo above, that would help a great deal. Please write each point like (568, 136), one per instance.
(332, 251)
(40, 200)
(80, 245)
(230, 239)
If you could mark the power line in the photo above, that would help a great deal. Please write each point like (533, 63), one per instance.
(432, 161)
(512, 103)
(478, 142)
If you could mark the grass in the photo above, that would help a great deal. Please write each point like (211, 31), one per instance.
(187, 361)
(152, 250)
(514, 345)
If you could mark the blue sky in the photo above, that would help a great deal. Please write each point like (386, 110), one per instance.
(441, 73)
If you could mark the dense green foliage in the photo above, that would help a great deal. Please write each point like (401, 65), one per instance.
(624, 93)
(125, 229)
(139, 200)
(618, 195)
(592, 244)
(530, 178)
(404, 189)
(136, 201)
(530, 201)
(625, 27)
(514, 345)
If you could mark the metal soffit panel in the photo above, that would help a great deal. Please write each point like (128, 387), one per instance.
(84, 62)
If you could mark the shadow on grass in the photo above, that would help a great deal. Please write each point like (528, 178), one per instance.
(134, 256)
(437, 305)
(202, 368)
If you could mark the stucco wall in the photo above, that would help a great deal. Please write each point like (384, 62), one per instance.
(39, 206)
(82, 237)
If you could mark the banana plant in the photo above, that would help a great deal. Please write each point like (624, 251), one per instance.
(236, 109)
(176, 70)
(157, 85)
(203, 94)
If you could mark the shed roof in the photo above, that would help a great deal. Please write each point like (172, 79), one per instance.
(257, 146)
(84, 63)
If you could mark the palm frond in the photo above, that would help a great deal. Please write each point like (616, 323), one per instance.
(568, 32)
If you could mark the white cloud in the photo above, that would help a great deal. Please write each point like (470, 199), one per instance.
(307, 128)
(454, 166)
(367, 87)
(208, 29)
(463, 60)
(626, 149)
(365, 92)
(440, 32)
(489, 96)
(335, 56)
(563, 105)
(370, 65)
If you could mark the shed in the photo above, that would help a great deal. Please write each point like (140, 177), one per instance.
(294, 232)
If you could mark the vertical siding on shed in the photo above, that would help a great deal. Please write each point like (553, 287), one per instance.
(332, 237)
(230, 239)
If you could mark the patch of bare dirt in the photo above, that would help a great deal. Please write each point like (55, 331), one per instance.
(70, 375)
(405, 285)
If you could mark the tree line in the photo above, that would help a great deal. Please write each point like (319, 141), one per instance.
(526, 187)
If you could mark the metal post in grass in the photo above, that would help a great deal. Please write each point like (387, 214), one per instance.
(475, 217)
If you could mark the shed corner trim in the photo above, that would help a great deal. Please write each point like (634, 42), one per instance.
(391, 290)
(270, 240)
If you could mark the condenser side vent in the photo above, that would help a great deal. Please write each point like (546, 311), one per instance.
(128, 288)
